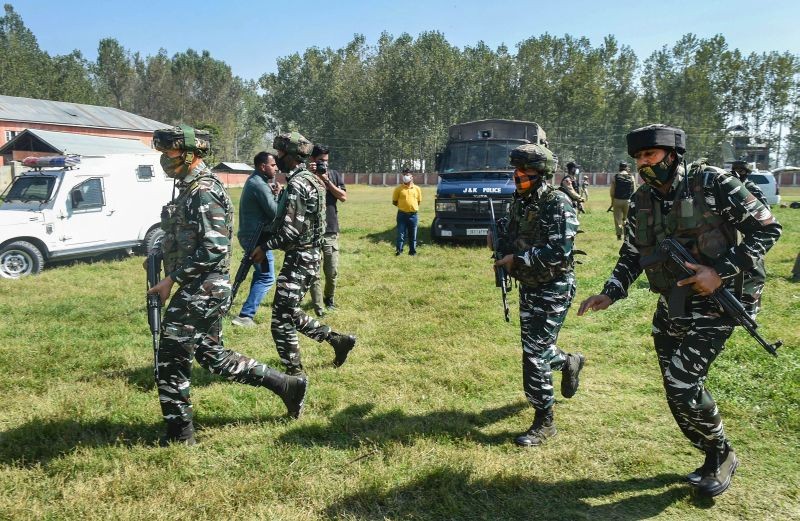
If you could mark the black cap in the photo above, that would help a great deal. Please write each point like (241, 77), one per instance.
(623, 165)
(656, 136)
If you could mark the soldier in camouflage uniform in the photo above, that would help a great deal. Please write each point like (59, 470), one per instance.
(704, 209)
(298, 229)
(538, 241)
(198, 225)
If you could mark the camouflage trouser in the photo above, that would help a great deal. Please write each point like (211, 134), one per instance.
(287, 318)
(330, 267)
(542, 311)
(686, 348)
(191, 329)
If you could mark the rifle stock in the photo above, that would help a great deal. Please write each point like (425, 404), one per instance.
(154, 303)
(729, 304)
(501, 277)
(246, 263)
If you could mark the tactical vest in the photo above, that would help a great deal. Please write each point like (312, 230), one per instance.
(525, 232)
(313, 231)
(623, 186)
(706, 235)
(181, 237)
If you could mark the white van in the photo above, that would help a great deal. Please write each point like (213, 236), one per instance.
(769, 186)
(68, 207)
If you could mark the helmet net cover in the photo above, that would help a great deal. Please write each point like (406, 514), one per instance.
(182, 137)
(535, 156)
(294, 144)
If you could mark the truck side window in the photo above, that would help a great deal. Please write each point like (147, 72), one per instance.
(144, 173)
(91, 194)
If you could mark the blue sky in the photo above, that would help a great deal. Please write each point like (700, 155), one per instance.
(250, 36)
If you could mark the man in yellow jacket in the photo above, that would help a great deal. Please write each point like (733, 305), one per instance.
(406, 198)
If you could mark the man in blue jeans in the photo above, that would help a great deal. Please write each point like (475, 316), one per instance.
(258, 204)
(407, 198)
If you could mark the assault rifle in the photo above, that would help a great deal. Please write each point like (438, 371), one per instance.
(247, 262)
(672, 249)
(501, 278)
(154, 302)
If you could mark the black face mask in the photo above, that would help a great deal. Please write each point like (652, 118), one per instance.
(282, 164)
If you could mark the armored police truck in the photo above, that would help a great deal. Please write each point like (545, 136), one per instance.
(473, 168)
(66, 207)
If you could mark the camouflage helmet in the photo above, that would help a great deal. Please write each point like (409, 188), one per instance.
(741, 163)
(182, 137)
(656, 136)
(294, 144)
(534, 156)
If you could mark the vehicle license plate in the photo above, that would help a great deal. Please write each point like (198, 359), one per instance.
(477, 231)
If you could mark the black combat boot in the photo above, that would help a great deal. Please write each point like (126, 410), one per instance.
(541, 429)
(296, 370)
(694, 478)
(329, 303)
(342, 345)
(291, 389)
(178, 433)
(717, 476)
(570, 374)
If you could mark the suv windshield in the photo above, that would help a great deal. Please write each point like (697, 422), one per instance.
(25, 189)
(758, 179)
(478, 155)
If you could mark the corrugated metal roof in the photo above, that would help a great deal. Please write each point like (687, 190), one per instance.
(227, 166)
(81, 144)
(31, 110)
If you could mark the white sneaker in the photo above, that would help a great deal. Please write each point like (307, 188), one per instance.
(243, 322)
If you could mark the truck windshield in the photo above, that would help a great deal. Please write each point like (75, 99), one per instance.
(31, 188)
(478, 155)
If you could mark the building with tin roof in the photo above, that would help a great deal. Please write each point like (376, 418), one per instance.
(18, 114)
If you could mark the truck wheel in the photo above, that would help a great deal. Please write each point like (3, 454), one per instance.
(152, 239)
(19, 259)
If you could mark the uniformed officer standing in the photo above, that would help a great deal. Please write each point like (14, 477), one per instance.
(298, 229)
(704, 209)
(569, 185)
(623, 184)
(538, 242)
(196, 249)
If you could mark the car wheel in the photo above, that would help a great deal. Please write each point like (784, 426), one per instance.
(19, 259)
(152, 239)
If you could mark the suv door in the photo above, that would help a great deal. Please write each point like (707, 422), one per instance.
(86, 220)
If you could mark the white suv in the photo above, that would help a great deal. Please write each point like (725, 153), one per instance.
(768, 185)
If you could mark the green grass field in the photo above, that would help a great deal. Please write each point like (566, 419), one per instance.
(417, 425)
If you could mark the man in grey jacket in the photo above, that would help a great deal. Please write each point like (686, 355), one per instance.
(257, 205)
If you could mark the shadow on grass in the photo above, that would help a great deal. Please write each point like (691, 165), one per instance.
(389, 236)
(351, 426)
(39, 441)
(142, 378)
(452, 494)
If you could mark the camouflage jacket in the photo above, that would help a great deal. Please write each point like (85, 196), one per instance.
(300, 220)
(541, 233)
(725, 196)
(198, 226)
